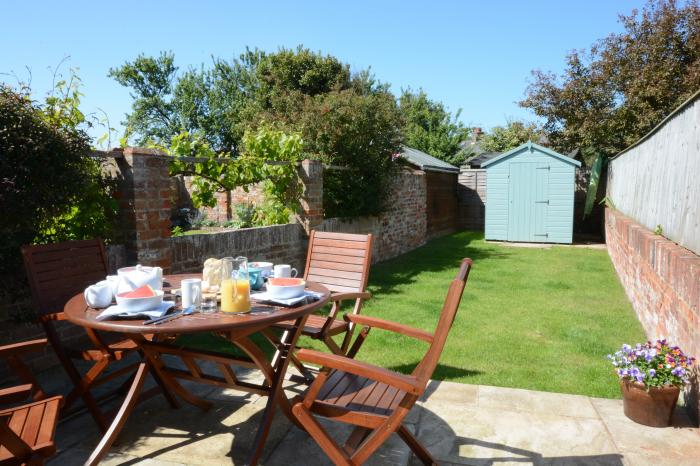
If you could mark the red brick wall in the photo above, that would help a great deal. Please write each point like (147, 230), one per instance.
(402, 227)
(662, 280)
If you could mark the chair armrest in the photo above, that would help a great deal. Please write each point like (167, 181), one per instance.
(390, 326)
(403, 382)
(350, 295)
(23, 347)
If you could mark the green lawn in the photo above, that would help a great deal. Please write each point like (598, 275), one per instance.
(540, 319)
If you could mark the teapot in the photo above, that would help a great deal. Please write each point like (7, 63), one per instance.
(131, 278)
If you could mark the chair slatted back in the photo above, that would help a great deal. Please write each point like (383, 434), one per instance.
(424, 370)
(58, 271)
(339, 261)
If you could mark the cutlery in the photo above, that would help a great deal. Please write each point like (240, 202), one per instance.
(160, 320)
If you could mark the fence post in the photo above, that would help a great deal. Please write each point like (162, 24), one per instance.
(144, 206)
(311, 174)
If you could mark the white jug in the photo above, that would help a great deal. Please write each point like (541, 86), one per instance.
(99, 295)
(131, 278)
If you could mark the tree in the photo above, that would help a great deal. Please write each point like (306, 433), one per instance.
(344, 118)
(513, 134)
(431, 128)
(613, 94)
(213, 102)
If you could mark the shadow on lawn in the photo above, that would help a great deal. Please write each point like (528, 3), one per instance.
(438, 255)
(442, 371)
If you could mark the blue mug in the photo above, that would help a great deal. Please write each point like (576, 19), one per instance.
(255, 277)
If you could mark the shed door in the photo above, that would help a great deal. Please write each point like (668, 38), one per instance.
(528, 200)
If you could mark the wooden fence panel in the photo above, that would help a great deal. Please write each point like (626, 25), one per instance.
(657, 180)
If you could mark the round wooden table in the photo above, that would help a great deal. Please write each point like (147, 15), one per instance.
(156, 340)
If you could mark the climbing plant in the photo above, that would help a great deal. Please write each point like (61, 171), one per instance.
(269, 157)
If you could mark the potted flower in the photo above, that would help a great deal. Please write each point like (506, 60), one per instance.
(651, 376)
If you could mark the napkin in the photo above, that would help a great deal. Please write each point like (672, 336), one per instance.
(264, 296)
(116, 312)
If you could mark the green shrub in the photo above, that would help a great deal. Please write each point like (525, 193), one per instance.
(50, 189)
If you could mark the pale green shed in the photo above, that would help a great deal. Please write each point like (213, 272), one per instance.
(530, 195)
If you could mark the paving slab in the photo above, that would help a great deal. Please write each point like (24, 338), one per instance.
(460, 424)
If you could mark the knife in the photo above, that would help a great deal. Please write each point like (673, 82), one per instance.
(161, 320)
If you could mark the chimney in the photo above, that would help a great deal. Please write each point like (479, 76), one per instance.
(476, 133)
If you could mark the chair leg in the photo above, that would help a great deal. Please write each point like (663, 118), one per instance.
(333, 346)
(357, 436)
(82, 390)
(415, 446)
(74, 376)
(327, 444)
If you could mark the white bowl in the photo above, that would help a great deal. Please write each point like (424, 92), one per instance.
(286, 291)
(140, 304)
(266, 267)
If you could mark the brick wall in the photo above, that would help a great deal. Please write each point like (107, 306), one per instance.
(662, 280)
(402, 227)
(282, 244)
(225, 208)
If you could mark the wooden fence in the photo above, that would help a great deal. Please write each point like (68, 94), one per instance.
(656, 181)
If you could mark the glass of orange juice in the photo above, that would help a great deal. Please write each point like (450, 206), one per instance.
(235, 286)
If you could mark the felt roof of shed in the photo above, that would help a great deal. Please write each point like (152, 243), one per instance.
(426, 162)
(532, 145)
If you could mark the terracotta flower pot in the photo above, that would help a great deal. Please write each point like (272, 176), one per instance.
(652, 408)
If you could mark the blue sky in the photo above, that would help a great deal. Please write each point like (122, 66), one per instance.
(473, 55)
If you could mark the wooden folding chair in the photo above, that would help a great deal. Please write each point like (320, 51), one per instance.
(340, 262)
(56, 273)
(26, 431)
(373, 399)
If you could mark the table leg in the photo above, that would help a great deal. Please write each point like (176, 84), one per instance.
(118, 422)
(276, 396)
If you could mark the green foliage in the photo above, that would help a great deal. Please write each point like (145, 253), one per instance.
(510, 136)
(431, 128)
(50, 189)
(625, 84)
(245, 214)
(344, 119)
(659, 230)
(270, 157)
(357, 132)
(177, 231)
(592, 192)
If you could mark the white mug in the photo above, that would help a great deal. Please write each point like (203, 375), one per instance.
(285, 271)
(191, 289)
(99, 295)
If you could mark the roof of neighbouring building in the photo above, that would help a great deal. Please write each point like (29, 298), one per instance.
(476, 161)
(426, 162)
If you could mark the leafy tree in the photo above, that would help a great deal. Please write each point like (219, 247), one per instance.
(513, 134)
(358, 133)
(345, 119)
(50, 189)
(431, 128)
(625, 84)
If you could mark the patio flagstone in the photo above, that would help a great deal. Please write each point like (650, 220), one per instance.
(460, 424)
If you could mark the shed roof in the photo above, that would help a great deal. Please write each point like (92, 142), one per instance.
(426, 162)
(531, 145)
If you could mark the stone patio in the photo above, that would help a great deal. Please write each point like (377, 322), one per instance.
(460, 424)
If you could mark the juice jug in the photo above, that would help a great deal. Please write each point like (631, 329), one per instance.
(235, 286)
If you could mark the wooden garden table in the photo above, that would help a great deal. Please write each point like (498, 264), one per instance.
(156, 340)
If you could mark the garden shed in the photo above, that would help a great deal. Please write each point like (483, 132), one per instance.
(530, 192)
(441, 191)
